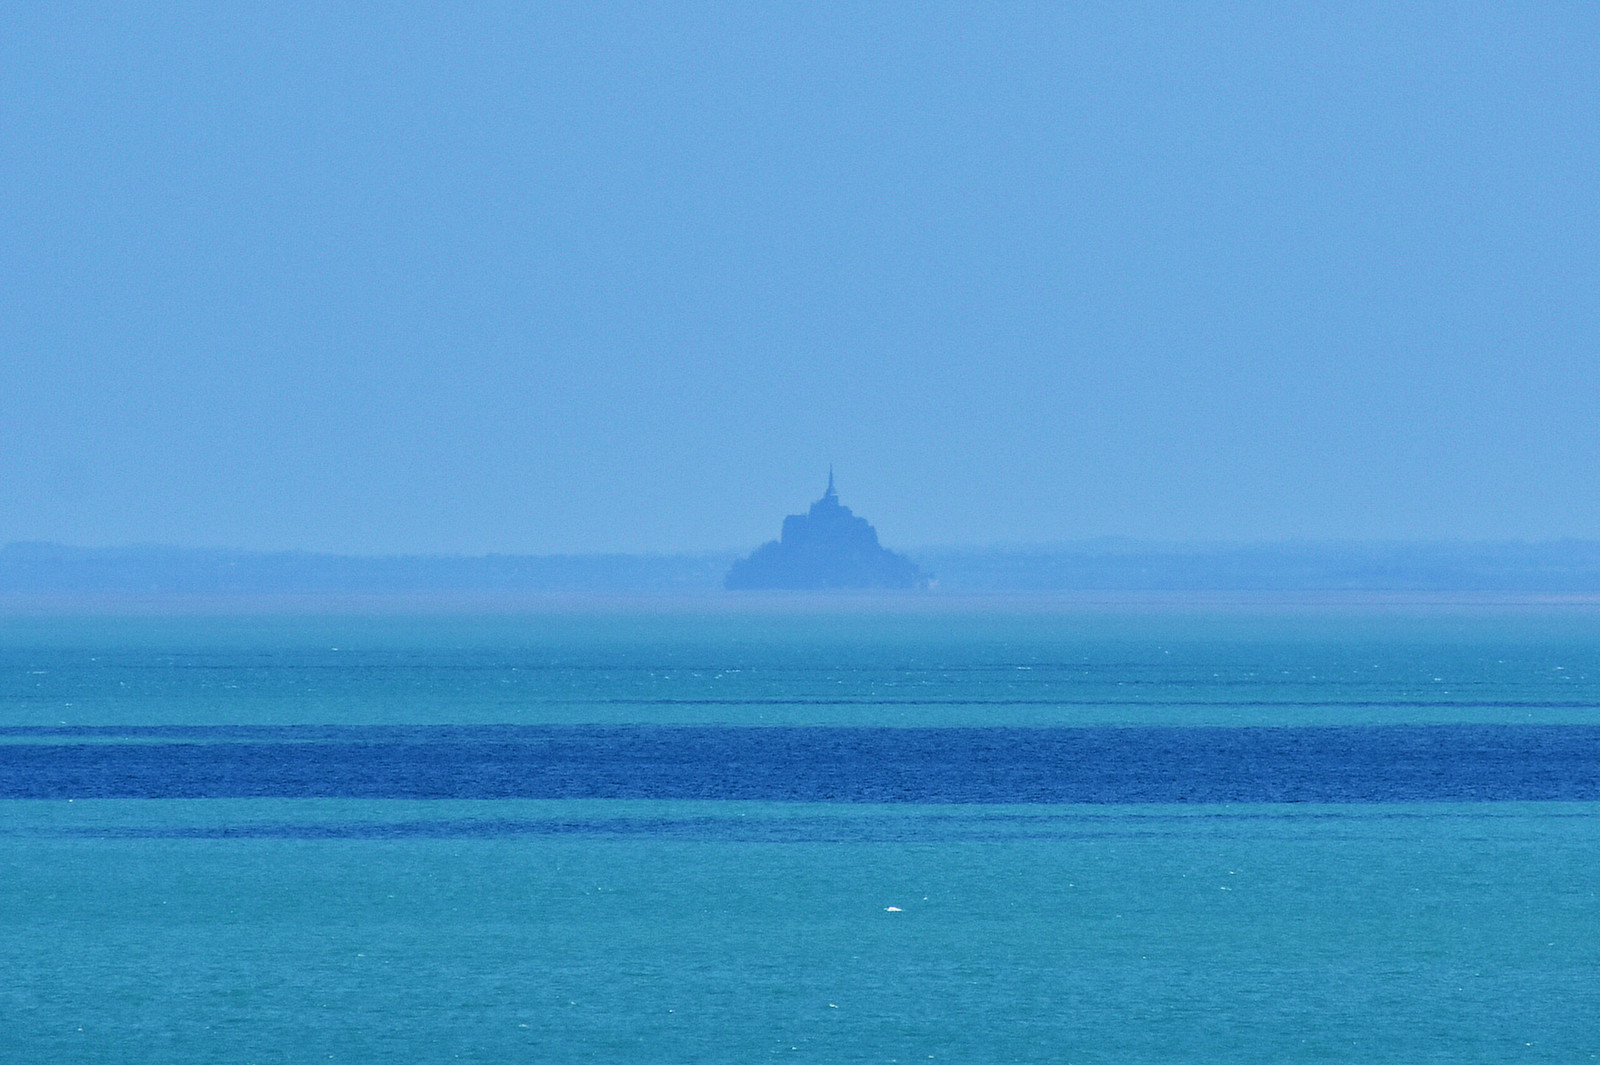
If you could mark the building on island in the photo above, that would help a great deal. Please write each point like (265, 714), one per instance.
(827, 547)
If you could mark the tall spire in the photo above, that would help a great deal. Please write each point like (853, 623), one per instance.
(830, 494)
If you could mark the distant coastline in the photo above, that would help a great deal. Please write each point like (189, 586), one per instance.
(1556, 568)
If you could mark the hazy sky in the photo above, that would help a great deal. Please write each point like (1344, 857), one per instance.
(552, 278)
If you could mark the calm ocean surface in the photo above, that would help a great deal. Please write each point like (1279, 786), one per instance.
(967, 833)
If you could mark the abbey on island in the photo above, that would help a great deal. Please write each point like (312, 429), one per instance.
(828, 547)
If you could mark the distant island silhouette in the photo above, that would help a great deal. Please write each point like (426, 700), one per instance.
(827, 547)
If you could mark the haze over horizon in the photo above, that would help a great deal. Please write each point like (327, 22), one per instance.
(550, 279)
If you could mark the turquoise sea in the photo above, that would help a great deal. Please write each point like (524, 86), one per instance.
(295, 910)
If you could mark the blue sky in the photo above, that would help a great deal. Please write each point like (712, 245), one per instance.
(554, 278)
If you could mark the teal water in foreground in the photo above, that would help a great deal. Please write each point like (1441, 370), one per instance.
(279, 930)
